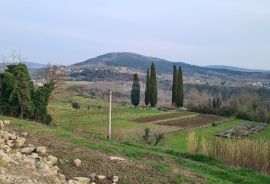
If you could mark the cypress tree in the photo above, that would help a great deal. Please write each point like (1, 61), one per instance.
(179, 89)
(174, 86)
(135, 92)
(147, 89)
(153, 86)
(214, 103)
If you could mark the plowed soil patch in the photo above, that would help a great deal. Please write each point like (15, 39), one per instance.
(191, 122)
(161, 117)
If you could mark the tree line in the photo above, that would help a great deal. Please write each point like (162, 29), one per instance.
(19, 97)
(151, 89)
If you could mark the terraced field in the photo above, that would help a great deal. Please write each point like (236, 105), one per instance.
(192, 122)
(82, 134)
(181, 119)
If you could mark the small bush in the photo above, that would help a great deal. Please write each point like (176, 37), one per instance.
(214, 124)
(242, 115)
(76, 105)
(149, 139)
(146, 136)
(47, 119)
(158, 138)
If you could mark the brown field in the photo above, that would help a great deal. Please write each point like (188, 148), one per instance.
(162, 117)
(191, 122)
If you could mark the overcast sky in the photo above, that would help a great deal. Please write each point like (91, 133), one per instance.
(201, 32)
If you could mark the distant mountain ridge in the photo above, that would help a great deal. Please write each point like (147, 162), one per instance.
(235, 68)
(137, 61)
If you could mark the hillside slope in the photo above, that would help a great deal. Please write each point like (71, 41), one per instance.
(136, 62)
(143, 163)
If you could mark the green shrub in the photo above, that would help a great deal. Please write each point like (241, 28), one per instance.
(146, 136)
(76, 105)
(47, 119)
(158, 138)
(214, 124)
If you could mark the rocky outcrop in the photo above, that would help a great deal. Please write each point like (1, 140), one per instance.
(243, 130)
(27, 164)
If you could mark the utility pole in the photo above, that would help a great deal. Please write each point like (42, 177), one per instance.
(110, 117)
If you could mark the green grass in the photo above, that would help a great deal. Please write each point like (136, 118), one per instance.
(213, 170)
(95, 119)
(88, 129)
(178, 141)
(264, 134)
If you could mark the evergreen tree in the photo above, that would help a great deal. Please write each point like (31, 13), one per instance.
(23, 89)
(19, 98)
(179, 89)
(41, 99)
(217, 102)
(135, 92)
(214, 102)
(9, 103)
(147, 89)
(153, 86)
(174, 86)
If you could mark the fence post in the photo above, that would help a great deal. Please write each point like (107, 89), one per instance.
(110, 117)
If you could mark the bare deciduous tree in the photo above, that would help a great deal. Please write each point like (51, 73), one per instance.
(13, 58)
(55, 73)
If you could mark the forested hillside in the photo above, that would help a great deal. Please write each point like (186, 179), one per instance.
(129, 62)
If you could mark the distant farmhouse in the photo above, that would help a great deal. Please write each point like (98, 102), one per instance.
(39, 83)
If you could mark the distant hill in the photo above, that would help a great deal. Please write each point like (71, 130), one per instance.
(31, 65)
(135, 62)
(235, 68)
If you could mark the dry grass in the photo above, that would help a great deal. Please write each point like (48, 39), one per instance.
(253, 154)
(191, 142)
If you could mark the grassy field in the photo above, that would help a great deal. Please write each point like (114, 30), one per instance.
(93, 118)
(83, 133)
(178, 141)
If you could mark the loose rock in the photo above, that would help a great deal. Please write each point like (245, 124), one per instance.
(101, 177)
(41, 149)
(28, 150)
(24, 134)
(28, 165)
(115, 179)
(92, 175)
(2, 125)
(10, 143)
(112, 158)
(7, 122)
(52, 159)
(4, 158)
(19, 142)
(77, 162)
(82, 180)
